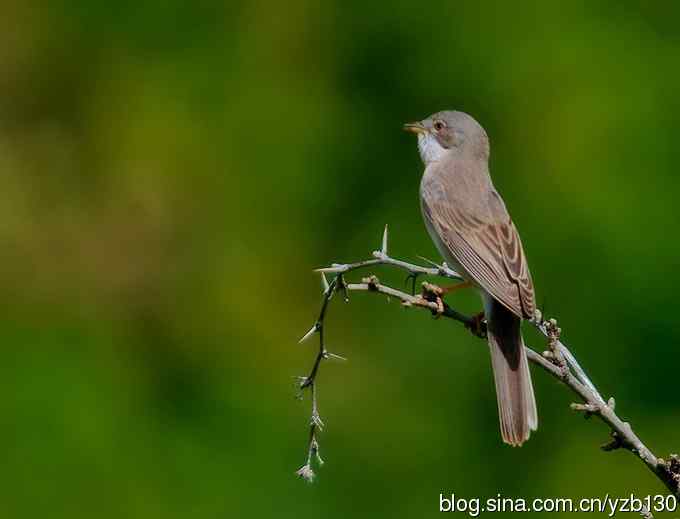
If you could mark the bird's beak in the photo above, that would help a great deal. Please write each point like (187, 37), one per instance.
(415, 127)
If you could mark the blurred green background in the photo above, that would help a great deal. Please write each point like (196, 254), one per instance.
(170, 174)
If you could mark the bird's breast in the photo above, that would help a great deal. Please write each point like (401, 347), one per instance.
(432, 187)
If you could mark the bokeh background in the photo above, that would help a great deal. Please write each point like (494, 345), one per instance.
(170, 174)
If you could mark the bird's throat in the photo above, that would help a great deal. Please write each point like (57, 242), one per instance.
(429, 148)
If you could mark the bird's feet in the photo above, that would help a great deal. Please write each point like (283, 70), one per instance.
(432, 293)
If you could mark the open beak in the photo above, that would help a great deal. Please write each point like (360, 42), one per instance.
(415, 128)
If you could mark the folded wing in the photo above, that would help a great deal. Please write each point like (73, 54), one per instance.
(484, 240)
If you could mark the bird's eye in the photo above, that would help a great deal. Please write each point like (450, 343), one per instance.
(438, 125)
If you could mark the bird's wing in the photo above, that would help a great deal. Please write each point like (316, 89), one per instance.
(483, 239)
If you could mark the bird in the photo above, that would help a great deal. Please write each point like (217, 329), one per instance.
(469, 224)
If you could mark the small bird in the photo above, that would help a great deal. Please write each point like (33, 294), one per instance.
(468, 222)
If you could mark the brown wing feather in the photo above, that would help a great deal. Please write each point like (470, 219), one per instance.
(516, 265)
(485, 242)
(514, 259)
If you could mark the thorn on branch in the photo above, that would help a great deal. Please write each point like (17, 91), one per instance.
(383, 248)
(300, 381)
(430, 262)
(328, 355)
(315, 328)
(335, 268)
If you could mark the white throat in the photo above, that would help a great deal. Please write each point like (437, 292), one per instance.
(430, 150)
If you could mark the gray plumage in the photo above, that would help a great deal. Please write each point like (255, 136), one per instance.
(470, 225)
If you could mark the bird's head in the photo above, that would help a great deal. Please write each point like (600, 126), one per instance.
(449, 131)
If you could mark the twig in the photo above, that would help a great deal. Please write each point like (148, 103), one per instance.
(380, 257)
(558, 361)
(309, 381)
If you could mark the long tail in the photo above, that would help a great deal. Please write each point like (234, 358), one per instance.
(514, 391)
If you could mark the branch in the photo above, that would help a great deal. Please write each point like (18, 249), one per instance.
(557, 360)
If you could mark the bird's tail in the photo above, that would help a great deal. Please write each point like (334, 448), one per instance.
(514, 391)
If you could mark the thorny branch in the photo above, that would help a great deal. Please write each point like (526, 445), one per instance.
(557, 360)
